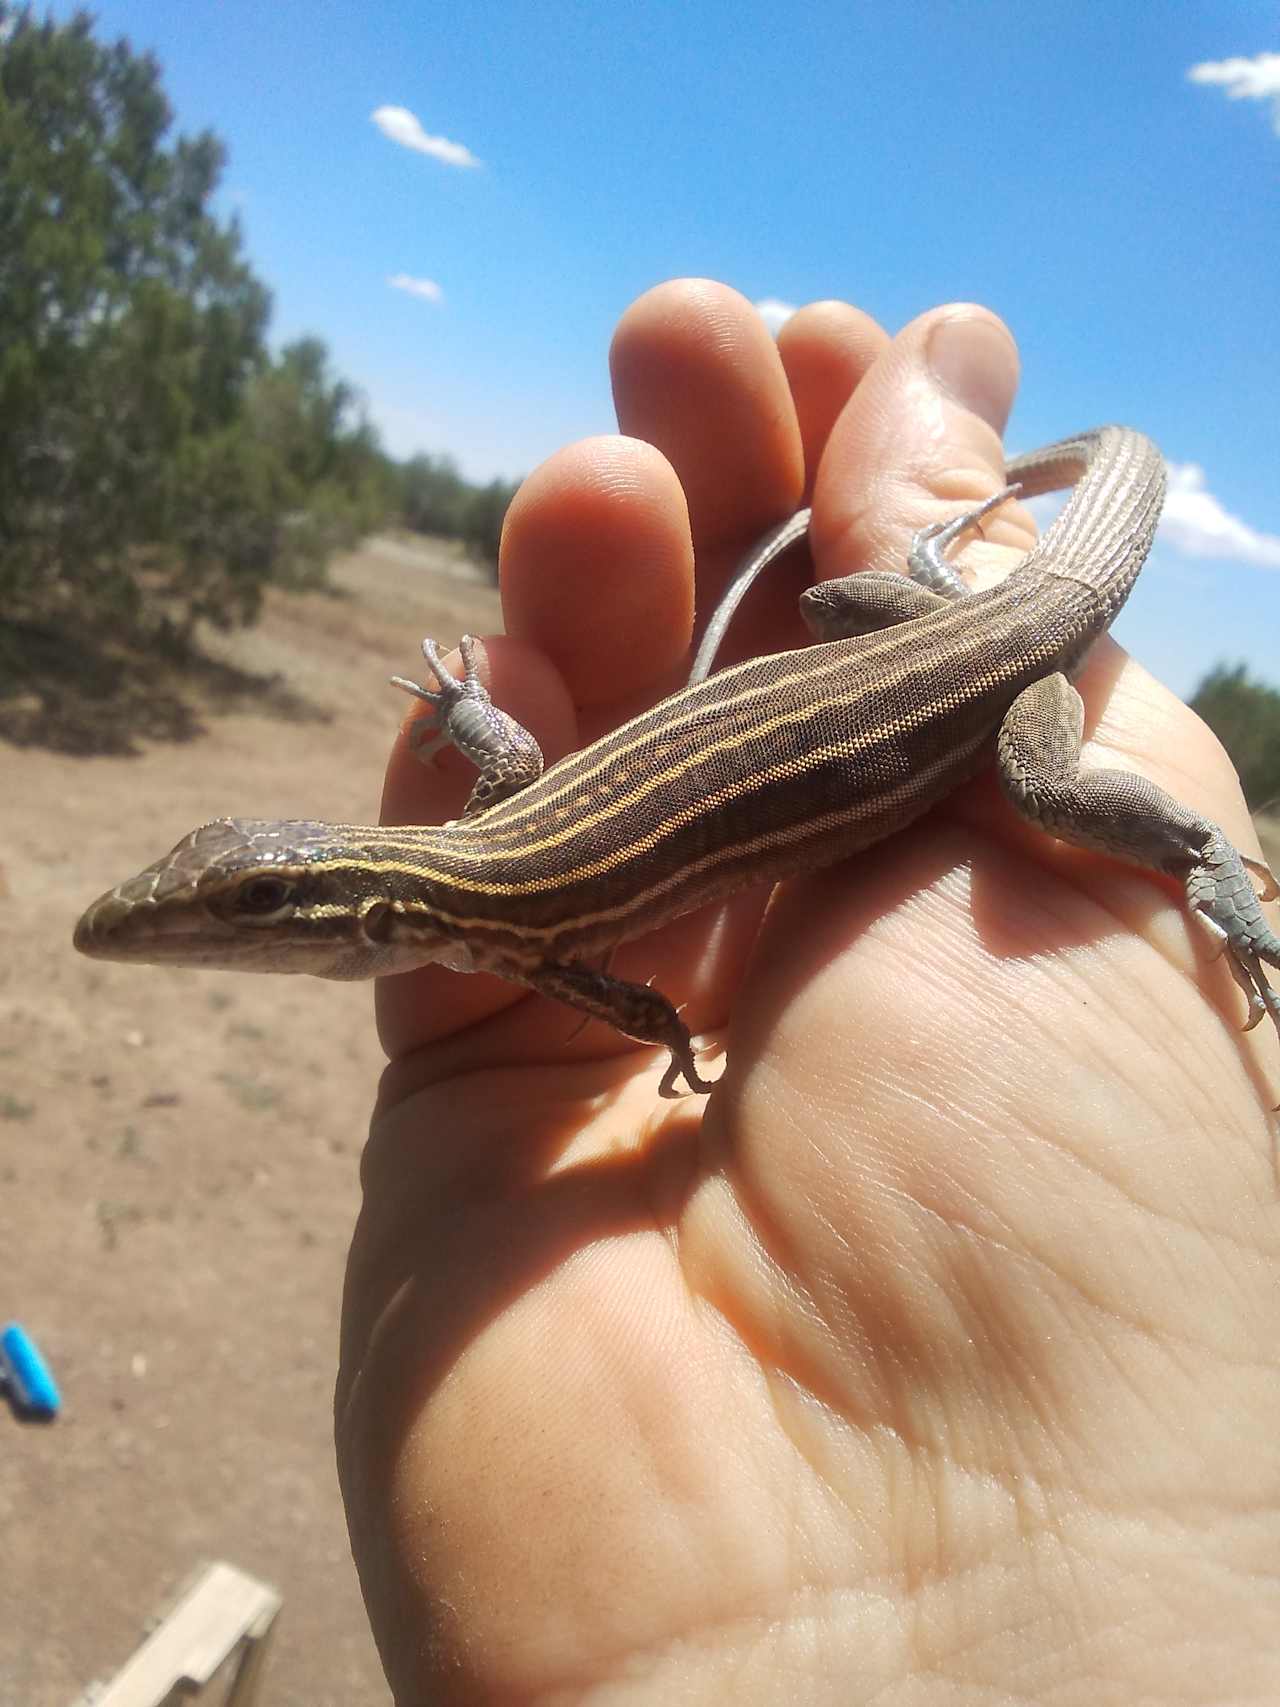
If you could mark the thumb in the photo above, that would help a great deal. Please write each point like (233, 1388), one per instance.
(919, 438)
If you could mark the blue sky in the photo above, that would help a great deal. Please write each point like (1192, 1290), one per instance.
(1060, 164)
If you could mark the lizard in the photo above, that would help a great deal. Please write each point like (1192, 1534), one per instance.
(779, 765)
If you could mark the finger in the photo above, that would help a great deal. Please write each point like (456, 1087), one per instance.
(597, 569)
(922, 433)
(827, 349)
(696, 373)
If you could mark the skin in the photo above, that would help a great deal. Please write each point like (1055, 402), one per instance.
(934, 1357)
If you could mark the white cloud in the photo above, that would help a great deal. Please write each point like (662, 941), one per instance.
(775, 314)
(427, 289)
(1256, 79)
(402, 126)
(1195, 523)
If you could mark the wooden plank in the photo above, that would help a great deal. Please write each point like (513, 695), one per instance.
(221, 1609)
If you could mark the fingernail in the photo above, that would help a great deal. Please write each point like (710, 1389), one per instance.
(975, 361)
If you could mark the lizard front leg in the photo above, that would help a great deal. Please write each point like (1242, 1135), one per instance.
(636, 1010)
(1127, 816)
(502, 750)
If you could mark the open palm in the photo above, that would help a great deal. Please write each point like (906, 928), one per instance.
(934, 1356)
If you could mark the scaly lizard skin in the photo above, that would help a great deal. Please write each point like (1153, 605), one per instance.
(777, 766)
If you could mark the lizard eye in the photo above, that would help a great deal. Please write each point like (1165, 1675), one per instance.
(264, 899)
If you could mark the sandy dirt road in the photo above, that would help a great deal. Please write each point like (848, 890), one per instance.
(178, 1159)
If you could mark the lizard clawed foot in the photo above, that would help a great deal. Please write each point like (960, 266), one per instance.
(926, 561)
(636, 1010)
(1220, 890)
(682, 1063)
(1267, 881)
(429, 735)
(506, 754)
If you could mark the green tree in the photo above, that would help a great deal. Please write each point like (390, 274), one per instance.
(434, 496)
(482, 521)
(130, 330)
(330, 475)
(1245, 715)
(436, 499)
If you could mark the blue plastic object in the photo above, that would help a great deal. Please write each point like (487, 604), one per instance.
(27, 1374)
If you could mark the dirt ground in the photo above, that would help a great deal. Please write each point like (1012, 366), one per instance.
(178, 1151)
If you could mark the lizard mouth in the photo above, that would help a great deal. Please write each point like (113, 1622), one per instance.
(120, 928)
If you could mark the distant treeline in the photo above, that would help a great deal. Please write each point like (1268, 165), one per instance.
(1245, 716)
(434, 498)
(157, 463)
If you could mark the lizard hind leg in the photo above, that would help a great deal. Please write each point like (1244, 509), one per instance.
(1127, 816)
(927, 563)
(864, 603)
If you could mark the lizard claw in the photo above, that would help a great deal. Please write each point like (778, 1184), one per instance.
(1268, 883)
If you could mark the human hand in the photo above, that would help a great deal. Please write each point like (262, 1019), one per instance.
(933, 1357)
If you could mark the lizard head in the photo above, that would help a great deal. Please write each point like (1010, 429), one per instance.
(251, 896)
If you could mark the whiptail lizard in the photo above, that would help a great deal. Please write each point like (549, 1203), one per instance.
(773, 767)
